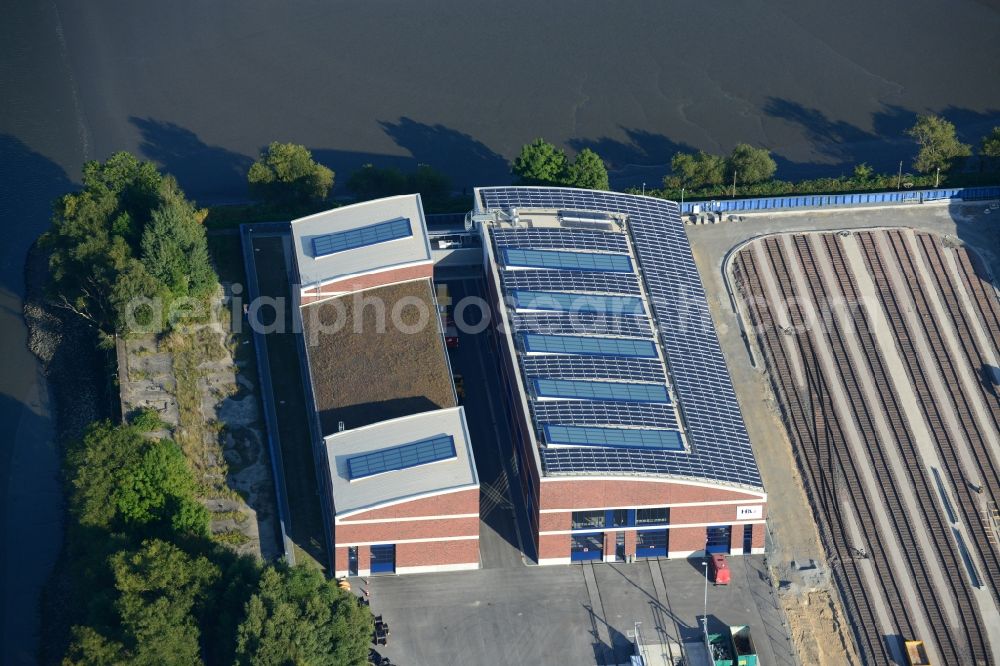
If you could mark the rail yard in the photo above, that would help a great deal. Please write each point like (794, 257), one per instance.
(883, 352)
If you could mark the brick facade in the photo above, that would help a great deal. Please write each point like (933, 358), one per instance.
(462, 505)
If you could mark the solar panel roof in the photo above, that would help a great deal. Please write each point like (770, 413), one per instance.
(719, 448)
(361, 236)
(554, 280)
(422, 452)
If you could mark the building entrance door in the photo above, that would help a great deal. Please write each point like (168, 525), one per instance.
(620, 546)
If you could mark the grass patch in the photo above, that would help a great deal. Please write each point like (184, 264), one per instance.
(233, 538)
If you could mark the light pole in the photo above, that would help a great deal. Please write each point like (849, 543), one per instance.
(704, 616)
(937, 178)
(734, 183)
(899, 179)
(682, 201)
(644, 189)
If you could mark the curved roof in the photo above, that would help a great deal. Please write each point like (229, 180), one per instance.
(651, 232)
(363, 237)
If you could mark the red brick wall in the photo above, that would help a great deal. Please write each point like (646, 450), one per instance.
(623, 493)
(718, 513)
(758, 535)
(368, 281)
(399, 531)
(459, 502)
(629, 542)
(437, 552)
(736, 539)
(687, 539)
(553, 545)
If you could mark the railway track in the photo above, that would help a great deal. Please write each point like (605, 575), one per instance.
(832, 474)
(954, 646)
(814, 430)
(968, 500)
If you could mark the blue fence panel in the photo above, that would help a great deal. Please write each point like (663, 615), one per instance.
(823, 200)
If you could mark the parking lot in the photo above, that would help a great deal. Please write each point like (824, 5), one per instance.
(572, 614)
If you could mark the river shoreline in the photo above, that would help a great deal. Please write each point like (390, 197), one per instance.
(74, 370)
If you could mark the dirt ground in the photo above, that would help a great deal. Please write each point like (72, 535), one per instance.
(202, 382)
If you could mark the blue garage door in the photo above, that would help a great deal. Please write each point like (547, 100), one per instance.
(383, 559)
(651, 543)
(719, 538)
(587, 547)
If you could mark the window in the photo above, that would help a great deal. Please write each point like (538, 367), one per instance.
(621, 518)
(588, 346)
(588, 520)
(611, 391)
(565, 302)
(577, 261)
(658, 516)
(361, 237)
(422, 452)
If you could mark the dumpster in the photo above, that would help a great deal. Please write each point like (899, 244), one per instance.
(720, 570)
(916, 654)
(743, 647)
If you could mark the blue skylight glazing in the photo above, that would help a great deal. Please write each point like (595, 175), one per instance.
(614, 391)
(573, 261)
(361, 237)
(433, 449)
(663, 440)
(588, 346)
(555, 300)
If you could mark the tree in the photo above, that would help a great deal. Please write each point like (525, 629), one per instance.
(299, 617)
(129, 234)
(863, 173)
(370, 182)
(159, 588)
(939, 146)
(751, 165)
(587, 171)
(990, 146)
(94, 233)
(121, 478)
(285, 174)
(696, 171)
(540, 163)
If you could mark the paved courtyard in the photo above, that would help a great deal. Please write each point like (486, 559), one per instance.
(573, 614)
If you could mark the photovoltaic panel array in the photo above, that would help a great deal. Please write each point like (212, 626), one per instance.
(604, 283)
(626, 414)
(558, 239)
(362, 236)
(422, 452)
(567, 261)
(719, 446)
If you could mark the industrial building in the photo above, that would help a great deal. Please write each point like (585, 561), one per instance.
(628, 435)
(395, 463)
